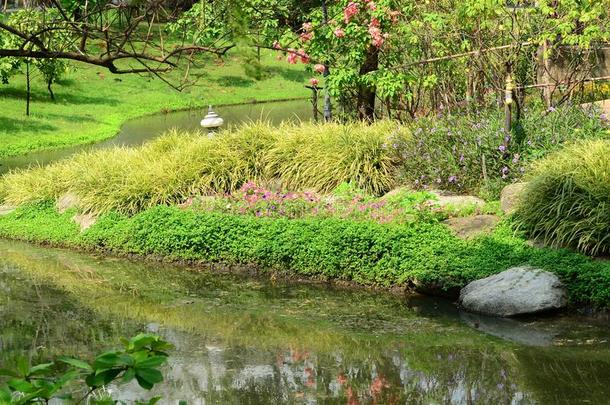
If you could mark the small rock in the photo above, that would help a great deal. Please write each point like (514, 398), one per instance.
(6, 209)
(509, 198)
(85, 221)
(66, 202)
(469, 227)
(459, 201)
(516, 291)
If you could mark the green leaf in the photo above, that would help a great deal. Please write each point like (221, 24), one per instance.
(75, 363)
(5, 396)
(106, 360)
(40, 368)
(129, 375)
(8, 373)
(141, 340)
(21, 386)
(103, 378)
(152, 362)
(147, 377)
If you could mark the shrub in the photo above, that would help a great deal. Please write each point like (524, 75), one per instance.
(177, 166)
(471, 153)
(567, 199)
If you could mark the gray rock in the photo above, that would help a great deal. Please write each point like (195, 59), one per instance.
(459, 201)
(66, 202)
(85, 221)
(509, 198)
(470, 227)
(517, 291)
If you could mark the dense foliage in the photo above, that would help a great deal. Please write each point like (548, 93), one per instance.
(71, 379)
(415, 56)
(567, 199)
(473, 153)
(420, 253)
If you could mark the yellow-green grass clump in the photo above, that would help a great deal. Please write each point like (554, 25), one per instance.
(178, 165)
(567, 200)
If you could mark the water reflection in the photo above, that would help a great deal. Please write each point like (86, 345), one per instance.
(241, 340)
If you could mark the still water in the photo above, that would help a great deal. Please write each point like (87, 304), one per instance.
(140, 130)
(241, 340)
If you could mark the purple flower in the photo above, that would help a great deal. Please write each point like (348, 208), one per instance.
(461, 158)
(502, 148)
(516, 157)
(452, 179)
(529, 142)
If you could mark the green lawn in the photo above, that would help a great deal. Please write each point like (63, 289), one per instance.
(92, 104)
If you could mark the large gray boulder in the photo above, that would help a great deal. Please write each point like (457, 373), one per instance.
(510, 197)
(517, 291)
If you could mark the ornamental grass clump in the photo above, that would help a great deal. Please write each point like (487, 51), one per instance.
(177, 166)
(567, 200)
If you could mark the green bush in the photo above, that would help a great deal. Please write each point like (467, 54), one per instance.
(177, 166)
(567, 199)
(471, 152)
(367, 252)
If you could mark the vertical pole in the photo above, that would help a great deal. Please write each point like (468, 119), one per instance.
(328, 108)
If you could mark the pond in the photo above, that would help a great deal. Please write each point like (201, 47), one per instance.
(140, 130)
(249, 340)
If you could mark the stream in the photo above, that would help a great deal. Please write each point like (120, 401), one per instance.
(137, 131)
(250, 340)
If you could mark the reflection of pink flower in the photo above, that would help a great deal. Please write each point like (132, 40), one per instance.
(314, 82)
(394, 16)
(319, 68)
(339, 33)
(350, 11)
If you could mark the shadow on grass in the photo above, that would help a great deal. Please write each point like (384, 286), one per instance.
(38, 96)
(287, 74)
(234, 81)
(13, 125)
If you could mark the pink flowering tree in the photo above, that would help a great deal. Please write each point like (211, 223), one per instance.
(353, 43)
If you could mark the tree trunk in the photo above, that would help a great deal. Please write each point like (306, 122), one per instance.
(366, 94)
(49, 84)
(28, 89)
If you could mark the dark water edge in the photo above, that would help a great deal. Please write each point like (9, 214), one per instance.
(241, 339)
(139, 130)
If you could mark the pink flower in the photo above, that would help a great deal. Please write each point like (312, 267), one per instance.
(372, 6)
(307, 27)
(350, 11)
(319, 68)
(304, 56)
(276, 45)
(306, 36)
(292, 57)
(374, 23)
(339, 33)
(314, 82)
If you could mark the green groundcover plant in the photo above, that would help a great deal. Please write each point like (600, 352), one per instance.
(567, 199)
(415, 253)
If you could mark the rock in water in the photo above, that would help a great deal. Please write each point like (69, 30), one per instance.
(517, 291)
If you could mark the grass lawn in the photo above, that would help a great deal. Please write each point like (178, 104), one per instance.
(92, 104)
